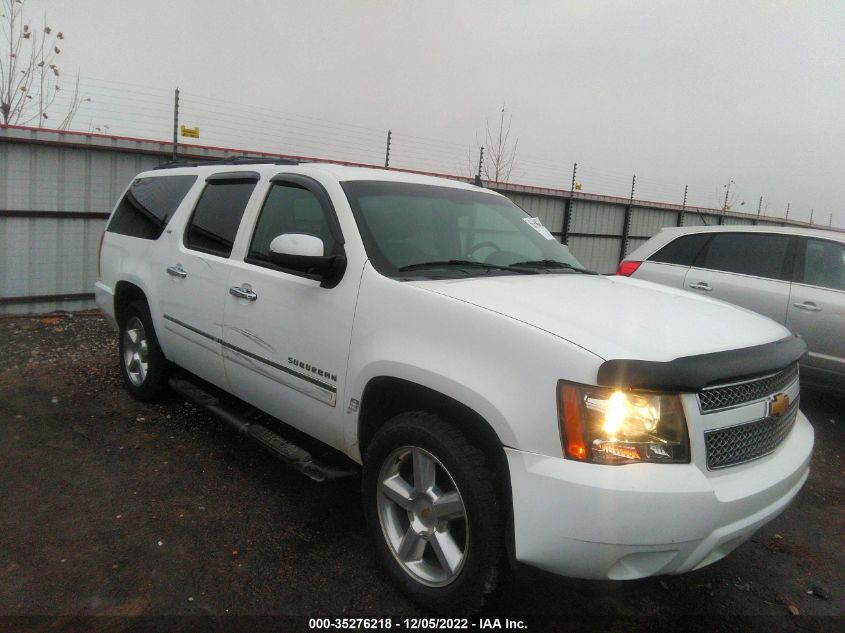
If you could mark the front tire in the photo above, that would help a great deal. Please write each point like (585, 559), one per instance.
(431, 507)
(142, 363)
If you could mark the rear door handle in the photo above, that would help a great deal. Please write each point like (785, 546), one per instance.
(809, 306)
(177, 271)
(243, 293)
(701, 285)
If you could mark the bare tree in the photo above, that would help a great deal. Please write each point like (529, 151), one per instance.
(500, 151)
(29, 73)
(726, 200)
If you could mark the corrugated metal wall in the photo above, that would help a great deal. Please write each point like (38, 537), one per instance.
(51, 198)
(56, 190)
(597, 218)
(647, 222)
(48, 257)
(737, 221)
(550, 210)
(43, 177)
(595, 231)
(596, 253)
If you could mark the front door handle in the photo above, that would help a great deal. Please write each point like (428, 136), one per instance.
(701, 285)
(809, 306)
(177, 271)
(243, 293)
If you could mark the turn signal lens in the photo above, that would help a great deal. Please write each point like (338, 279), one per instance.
(570, 423)
(605, 426)
(626, 269)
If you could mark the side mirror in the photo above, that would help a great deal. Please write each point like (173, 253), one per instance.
(302, 253)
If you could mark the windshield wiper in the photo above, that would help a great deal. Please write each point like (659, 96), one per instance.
(463, 263)
(553, 263)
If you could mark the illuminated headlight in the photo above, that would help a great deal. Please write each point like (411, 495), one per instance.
(606, 426)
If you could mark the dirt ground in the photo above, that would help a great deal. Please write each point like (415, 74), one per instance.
(111, 506)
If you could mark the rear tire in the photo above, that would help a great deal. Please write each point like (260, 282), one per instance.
(432, 510)
(142, 363)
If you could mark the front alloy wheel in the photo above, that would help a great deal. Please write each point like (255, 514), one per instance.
(422, 515)
(433, 511)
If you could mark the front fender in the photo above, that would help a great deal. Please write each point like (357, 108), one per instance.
(503, 369)
(443, 384)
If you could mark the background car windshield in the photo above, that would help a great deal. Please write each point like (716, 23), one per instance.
(403, 224)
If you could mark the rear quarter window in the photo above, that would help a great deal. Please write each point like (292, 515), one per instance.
(148, 205)
(681, 251)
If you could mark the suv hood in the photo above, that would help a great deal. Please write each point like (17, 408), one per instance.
(615, 317)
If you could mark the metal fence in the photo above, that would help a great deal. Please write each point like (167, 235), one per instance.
(601, 230)
(57, 189)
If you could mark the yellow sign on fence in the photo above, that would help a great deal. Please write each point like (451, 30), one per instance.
(193, 132)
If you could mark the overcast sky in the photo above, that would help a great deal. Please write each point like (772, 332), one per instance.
(678, 93)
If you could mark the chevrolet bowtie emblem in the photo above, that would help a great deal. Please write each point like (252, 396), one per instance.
(779, 405)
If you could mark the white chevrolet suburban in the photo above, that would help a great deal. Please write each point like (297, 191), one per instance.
(502, 403)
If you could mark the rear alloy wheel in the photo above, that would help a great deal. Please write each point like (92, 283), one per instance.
(142, 363)
(135, 352)
(432, 510)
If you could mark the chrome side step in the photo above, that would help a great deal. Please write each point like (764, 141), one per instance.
(292, 454)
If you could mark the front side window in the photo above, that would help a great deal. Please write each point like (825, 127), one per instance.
(217, 216)
(290, 208)
(824, 264)
(681, 251)
(148, 205)
(427, 230)
(756, 254)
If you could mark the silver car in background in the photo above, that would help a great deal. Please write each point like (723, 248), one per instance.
(794, 276)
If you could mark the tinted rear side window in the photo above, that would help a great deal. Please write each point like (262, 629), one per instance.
(148, 205)
(756, 254)
(824, 264)
(217, 216)
(681, 251)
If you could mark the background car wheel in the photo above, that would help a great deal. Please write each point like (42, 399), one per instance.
(431, 507)
(142, 363)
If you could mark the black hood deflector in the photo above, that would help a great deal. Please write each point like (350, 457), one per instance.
(693, 373)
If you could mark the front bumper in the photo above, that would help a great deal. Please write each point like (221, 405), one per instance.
(625, 522)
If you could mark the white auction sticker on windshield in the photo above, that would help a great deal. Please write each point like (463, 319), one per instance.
(535, 224)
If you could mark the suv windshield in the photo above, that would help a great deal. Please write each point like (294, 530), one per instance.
(412, 230)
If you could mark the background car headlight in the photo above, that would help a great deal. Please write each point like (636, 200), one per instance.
(607, 426)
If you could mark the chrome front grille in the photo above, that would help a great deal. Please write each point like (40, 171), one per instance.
(734, 445)
(726, 396)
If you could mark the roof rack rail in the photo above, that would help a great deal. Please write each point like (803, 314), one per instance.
(230, 160)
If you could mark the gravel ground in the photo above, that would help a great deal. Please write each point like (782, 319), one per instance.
(111, 506)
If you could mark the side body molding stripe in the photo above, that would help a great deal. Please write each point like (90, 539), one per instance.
(260, 359)
(693, 373)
